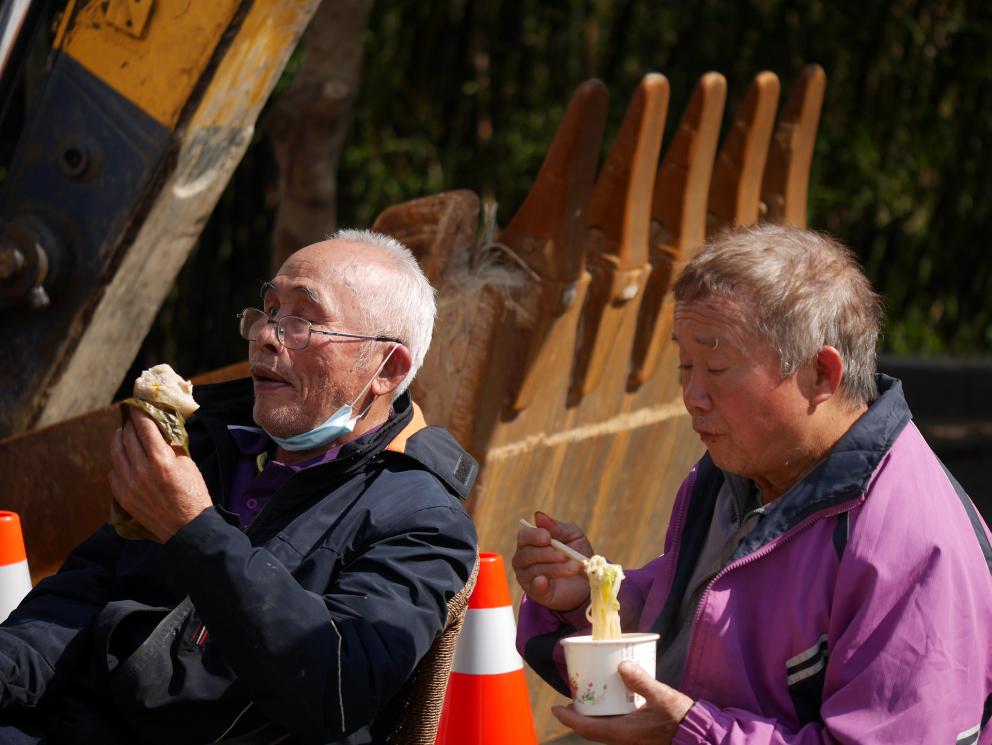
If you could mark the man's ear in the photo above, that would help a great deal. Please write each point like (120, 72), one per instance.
(828, 369)
(393, 372)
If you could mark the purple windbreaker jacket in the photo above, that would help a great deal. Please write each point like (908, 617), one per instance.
(858, 611)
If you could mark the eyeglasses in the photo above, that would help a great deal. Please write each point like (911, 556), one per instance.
(292, 332)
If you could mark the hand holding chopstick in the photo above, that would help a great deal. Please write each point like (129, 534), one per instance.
(570, 552)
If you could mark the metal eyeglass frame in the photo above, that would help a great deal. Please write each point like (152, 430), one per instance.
(281, 331)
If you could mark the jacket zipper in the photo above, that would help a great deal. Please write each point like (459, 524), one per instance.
(745, 560)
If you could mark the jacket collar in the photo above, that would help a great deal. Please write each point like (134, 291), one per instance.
(405, 435)
(844, 474)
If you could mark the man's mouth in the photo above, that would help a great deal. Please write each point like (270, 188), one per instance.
(706, 435)
(265, 378)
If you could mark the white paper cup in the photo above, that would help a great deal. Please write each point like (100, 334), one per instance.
(597, 688)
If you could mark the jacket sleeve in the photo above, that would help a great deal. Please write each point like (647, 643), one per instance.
(908, 652)
(40, 642)
(323, 665)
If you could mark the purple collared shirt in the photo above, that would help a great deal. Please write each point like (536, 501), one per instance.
(257, 476)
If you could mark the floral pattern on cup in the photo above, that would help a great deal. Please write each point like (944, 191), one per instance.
(589, 695)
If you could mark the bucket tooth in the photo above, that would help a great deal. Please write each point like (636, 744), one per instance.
(678, 215)
(786, 184)
(735, 192)
(547, 234)
(619, 220)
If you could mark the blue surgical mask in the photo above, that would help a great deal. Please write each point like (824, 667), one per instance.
(338, 424)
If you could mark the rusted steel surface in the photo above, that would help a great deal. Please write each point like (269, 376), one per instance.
(617, 238)
(547, 233)
(55, 479)
(434, 228)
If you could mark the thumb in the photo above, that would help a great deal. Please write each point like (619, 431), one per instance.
(659, 698)
(637, 680)
(568, 533)
(564, 532)
(544, 520)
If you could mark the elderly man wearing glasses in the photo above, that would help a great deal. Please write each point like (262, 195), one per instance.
(305, 554)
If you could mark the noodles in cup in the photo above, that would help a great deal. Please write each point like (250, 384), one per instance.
(604, 608)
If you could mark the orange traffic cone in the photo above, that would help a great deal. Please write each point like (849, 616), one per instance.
(15, 579)
(487, 702)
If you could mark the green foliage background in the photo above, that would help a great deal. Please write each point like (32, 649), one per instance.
(467, 94)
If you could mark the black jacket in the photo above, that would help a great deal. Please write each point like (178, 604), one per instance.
(311, 619)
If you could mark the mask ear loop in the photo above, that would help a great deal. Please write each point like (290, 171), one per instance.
(369, 385)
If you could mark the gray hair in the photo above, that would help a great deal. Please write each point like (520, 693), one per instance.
(798, 290)
(407, 310)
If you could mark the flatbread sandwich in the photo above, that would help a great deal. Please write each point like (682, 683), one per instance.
(167, 398)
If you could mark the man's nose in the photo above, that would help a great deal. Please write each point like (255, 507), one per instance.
(268, 336)
(694, 394)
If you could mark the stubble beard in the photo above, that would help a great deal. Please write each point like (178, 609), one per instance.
(287, 419)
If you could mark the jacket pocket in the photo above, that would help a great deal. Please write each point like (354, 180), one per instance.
(161, 689)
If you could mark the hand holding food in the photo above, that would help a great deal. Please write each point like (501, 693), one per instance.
(604, 586)
(552, 576)
(168, 399)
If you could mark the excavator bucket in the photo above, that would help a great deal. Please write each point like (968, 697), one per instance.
(434, 228)
(547, 234)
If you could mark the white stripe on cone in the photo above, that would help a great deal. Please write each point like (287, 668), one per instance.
(15, 583)
(487, 643)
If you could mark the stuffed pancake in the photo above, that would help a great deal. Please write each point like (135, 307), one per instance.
(167, 398)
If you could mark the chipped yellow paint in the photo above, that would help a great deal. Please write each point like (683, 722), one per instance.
(129, 16)
(252, 65)
(223, 123)
(159, 70)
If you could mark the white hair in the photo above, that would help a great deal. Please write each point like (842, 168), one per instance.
(405, 309)
(798, 290)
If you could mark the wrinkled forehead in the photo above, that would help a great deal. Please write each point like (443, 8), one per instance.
(713, 322)
(325, 271)
(314, 289)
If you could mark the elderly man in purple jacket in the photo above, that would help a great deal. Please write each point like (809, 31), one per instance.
(824, 578)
